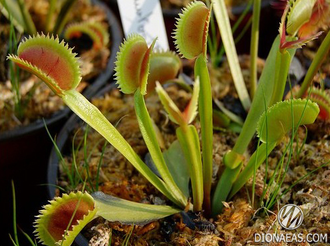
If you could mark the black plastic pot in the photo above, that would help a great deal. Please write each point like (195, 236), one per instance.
(63, 142)
(24, 151)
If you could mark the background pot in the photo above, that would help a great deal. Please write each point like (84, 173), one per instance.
(24, 151)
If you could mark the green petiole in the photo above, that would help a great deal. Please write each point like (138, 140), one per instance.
(189, 141)
(206, 120)
(149, 136)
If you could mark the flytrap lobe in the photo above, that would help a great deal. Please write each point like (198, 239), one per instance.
(192, 30)
(301, 22)
(50, 60)
(62, 220)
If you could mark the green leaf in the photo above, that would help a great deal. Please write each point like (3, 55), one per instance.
(279, 118)
(222, 18)
(189, 141)
(206, 121)
(176, 162)
(150, 138)
(127, 212)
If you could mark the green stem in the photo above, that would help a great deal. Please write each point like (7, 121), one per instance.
(29, 25)
(206, 120)
(283, 61)
(321, 54)
(254, 47)
(92, 116)
(50, 14)
(222, 18)
(150, 138)
(62, 17)
(189, 141)
(228, 177)
(14, 213)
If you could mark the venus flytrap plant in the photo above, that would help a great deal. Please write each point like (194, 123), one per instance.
(57, 66)
(191, 41)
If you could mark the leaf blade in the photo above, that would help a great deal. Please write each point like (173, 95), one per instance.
(115, 209)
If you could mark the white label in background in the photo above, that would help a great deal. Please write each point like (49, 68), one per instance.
(144, 17)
